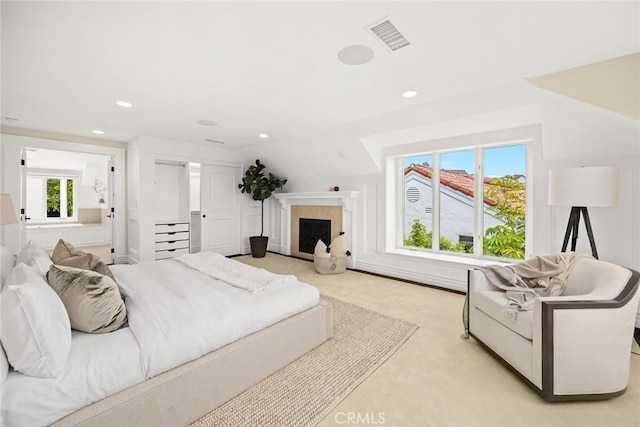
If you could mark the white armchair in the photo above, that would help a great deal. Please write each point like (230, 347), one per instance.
(576, 346)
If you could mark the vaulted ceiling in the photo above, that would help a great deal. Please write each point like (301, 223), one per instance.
(272, 67)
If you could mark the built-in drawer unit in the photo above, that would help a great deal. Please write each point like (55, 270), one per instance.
(172, 239)
(172, 227)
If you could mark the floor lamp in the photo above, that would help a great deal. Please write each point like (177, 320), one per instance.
(581, 188)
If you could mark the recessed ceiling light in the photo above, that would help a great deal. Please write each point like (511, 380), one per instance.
(206, 122)
(356, 54)
(409, 94)
(98, 132)
(125, 104)
(263, 135)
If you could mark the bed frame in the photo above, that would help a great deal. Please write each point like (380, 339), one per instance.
(190, 391)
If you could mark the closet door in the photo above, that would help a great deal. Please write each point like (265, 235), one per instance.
(220, 209)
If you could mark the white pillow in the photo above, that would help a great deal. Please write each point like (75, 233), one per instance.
(35, 327)
(35, 256)
(7, 261)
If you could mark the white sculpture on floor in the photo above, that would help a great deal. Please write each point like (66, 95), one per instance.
(333, 260)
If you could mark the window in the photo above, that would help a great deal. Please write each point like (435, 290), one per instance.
(463, 215)
(51, 195)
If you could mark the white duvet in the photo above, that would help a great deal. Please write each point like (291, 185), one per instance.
(178, 314)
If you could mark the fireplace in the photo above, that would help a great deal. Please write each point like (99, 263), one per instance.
(310, 231)
(333, 207)
(322, 222)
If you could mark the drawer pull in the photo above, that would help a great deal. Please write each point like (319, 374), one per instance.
(172, 233)
(171, 250)
(170, 225)
(171, 241)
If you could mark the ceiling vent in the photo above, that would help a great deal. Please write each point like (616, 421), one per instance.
(389, 34)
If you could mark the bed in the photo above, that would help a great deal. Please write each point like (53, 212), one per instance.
(226, 327)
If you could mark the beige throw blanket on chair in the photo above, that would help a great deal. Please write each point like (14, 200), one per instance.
(540, 276)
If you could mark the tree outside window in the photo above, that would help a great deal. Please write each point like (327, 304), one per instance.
(50, 195)
(59, 197)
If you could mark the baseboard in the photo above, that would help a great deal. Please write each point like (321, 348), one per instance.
(422, 278)
(127, 259)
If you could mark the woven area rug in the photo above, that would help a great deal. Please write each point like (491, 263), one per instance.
(305, 391)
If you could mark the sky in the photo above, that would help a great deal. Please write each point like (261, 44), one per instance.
(498, 161)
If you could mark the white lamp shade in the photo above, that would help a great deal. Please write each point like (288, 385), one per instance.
(586, 186)
(7, 211)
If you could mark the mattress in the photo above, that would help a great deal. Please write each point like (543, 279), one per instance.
(99, 365)
(176, 315)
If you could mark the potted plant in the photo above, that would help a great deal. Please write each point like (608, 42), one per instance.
(260, 188)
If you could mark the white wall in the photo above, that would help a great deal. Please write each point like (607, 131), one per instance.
(3, 190)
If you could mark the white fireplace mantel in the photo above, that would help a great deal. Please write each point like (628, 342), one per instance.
(346, 199)
(328, 198)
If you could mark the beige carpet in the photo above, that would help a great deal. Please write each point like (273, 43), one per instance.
(305, 391)
(437, 379)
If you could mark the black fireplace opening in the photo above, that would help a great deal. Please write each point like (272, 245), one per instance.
(312, 230)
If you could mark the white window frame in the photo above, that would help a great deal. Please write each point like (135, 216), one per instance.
(394, 213)
(45, 174)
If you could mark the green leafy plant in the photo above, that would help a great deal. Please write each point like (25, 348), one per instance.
(53, 197)
(421, 237)
(260, 186)
(506, 240)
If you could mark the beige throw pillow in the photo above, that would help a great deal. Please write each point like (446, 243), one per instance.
(92, 300)
(68, 255)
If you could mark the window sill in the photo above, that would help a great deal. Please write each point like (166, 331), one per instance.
(445, 258)
(62, 225)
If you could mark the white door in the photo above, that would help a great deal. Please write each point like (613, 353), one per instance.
(220, 209)
(110, 219)
(23, 196)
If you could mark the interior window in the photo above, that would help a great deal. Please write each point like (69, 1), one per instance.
(50, 197)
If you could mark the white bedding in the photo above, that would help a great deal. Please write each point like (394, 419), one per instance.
(176, 314)
(251, 279)
(99, 365)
